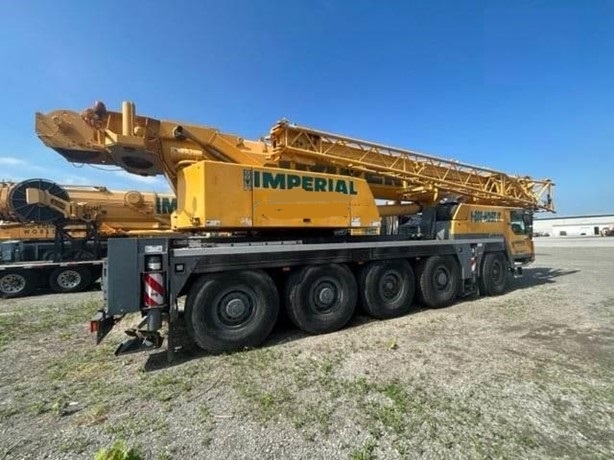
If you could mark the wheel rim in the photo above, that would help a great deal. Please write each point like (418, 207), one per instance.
(69, 279)
(50, 256)
(81, 255)
(234, 308)
(496, 272)
(391, 286)
(12, 283)
(441, 278)
(324, 295)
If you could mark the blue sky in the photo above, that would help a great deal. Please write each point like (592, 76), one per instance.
(526, 87)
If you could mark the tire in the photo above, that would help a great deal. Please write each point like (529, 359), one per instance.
(438, 280)
(50, 256)
(321, 298)
(70, 279)
(387, 288)
(494, 274)
(80, 254)
(17, 283)
(231, 311)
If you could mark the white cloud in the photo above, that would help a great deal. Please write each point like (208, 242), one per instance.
(74, 180)
(11, 161)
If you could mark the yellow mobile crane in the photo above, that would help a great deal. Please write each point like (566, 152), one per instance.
(301, 206)
(52, 235)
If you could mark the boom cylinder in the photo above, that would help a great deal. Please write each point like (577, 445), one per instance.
(128, 111)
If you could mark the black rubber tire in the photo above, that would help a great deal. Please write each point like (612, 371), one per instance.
(304, 303)
(438, 281)
(494, 274)
(387, 288)
(50, 255)
(17, 283)
(70, 279)
(214, 328)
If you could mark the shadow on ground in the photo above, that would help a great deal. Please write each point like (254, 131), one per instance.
(285, 331)
(536, 276)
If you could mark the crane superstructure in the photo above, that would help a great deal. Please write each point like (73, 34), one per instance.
(113, 212)
(45, 226)
(146, 146)
(301, 188)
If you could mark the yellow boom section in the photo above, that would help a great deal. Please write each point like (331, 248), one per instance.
(398, 174)
(39, 201)
(141, 145)
(293, 157)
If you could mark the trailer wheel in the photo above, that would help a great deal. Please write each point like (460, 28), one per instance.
(51, 255)
(321, 298)
(17, 283)
(387, 288)
(70, 279)
(494, 276)
(231, 311)
(438, 279)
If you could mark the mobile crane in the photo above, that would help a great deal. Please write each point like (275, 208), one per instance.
(300, 206)
(56, 235)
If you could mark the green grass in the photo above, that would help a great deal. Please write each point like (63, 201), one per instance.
(207, 422)
(267, 397)
(24, 322)
(130, 426)
(118, 451)
(413, 415)
(365, 452)
(164, 386)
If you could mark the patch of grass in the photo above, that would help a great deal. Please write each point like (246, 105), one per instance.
(76, 445)
(118, 451)
(8, 410)
(364, 452)
(208, 424)
(132, 426)
(24, 322)
(576, 402)
(40, 406)
(392, 414)
(294, 387)
(164, 386)
(78, 365)
(95, 415)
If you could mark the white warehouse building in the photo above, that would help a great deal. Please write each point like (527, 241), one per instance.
(573, 225)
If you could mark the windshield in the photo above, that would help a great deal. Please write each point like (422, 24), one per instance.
(521, 222)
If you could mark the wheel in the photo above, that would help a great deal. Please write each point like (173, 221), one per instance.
(321, 298)
(387, 288)
(70, 279)
(50, 256)
(494, 274)
(231, 311)
(17, 283)
(80, 254)
(438, 280)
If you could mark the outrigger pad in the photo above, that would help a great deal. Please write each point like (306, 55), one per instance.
(139, 342)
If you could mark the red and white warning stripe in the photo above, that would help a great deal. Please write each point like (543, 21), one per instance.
(154, 290)
(474, 261)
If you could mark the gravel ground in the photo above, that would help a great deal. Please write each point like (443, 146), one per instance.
(525, 375)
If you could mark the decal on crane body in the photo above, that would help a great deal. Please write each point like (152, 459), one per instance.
(165, 205)
(283, 181)
(485, 216)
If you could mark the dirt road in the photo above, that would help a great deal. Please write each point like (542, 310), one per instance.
(527, 374)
